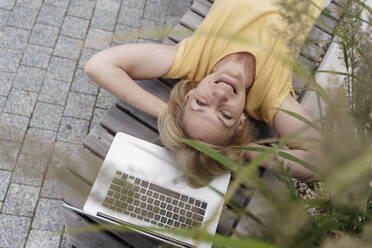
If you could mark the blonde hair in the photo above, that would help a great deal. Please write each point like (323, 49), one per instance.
(196, 163)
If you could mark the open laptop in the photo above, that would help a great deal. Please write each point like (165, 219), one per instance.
(141, 184)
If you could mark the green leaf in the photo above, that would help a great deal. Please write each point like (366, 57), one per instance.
(281, 154)
(299, 117)
(212, 153)
(337, 73)
(297, 160)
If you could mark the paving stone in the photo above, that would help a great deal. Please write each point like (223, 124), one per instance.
(86, 54)
(130, 16)
(61, 69)
(54, 91)
(104, 19)
(4, 16)
(7, 4)
(46, 116)
(21, 200)
(38, 238)
(68, 47)
(14, 37)
(139, 4)
(51, 15)
(20, 102)
(79, 106)
(36, 56)
(98, 39)
(62, 150)
(50, 188)
(58, 3)
(125, 34)
(105, 99)
(32, 4)
(72, 130)
(81, 8)
(49, 215)
(13, 230)
(75, 27)
(97, 116)
(9, 59)
(2, 102)
(44, 35)
(4, 183)
(39, 142)
(8, 155)
(112, 5)
(151, 30)
(29, 78)
(6, 80)
(14, 125)
(30, 170)
(22, 17)
(83, 84)
(155, 10)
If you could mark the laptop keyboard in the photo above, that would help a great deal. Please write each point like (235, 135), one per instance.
(152, 203)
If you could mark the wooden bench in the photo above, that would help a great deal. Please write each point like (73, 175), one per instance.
(84, 164)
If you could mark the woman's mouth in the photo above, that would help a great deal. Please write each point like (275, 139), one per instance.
(226, 83)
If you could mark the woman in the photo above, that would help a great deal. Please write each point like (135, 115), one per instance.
(235, 65)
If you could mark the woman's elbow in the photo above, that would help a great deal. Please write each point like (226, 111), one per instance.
(93, 66)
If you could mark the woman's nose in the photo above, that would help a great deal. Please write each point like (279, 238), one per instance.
(219, 94)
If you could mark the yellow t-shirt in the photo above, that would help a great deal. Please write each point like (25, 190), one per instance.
(235, 26)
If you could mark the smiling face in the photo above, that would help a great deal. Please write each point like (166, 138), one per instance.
(214, 109)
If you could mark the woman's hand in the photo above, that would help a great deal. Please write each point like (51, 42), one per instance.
(115, 68)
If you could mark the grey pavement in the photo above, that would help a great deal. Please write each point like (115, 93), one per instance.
(47, 100)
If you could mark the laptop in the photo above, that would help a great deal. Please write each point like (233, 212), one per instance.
(140, 184)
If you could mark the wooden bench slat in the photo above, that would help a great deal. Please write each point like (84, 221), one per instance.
(241, 197)
(298, 85)
(340, 3)
(156, 87)
(169, 81)
(98, 141)
(182, 33)
(319, 36)
(74, 190)
(312, 52)
(201, 7)
(325, 23)
(142, 116)
(116, 120)
(168, 41)
(306, 63)
(191, 20)
(85, 163)
(334, 11)
(88, 239)
(226, 223)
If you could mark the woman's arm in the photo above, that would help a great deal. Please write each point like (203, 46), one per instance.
(115, 69)
(286, 125)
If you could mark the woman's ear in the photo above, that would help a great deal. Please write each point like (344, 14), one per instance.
(188, 95)
(241, 122)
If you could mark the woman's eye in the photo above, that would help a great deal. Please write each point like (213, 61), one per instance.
(200, 103)
(226, 116)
